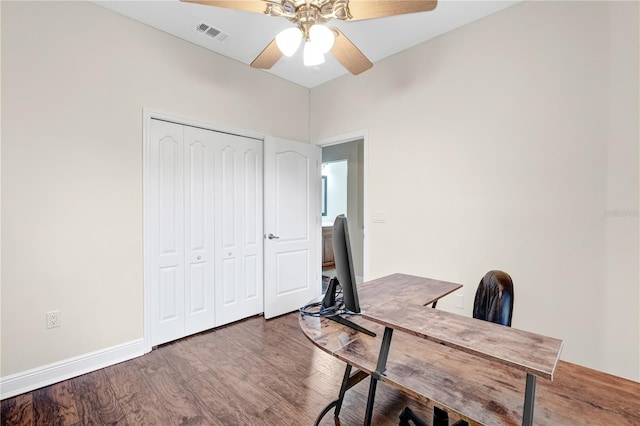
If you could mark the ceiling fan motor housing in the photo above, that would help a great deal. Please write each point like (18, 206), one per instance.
(307, 13)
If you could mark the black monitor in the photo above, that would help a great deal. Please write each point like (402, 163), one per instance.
(344, 264)
(345, 273)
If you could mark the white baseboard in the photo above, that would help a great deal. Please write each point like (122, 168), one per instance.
(29, 380)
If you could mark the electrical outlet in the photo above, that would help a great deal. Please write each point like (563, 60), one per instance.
(53, 319)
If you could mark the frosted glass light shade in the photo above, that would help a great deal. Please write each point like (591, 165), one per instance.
(288, 41)
(322, 37)
(311, 55)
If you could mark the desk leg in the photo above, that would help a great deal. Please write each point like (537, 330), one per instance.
(370, 399)
(529, 398)
(348, 381)
(381, 367)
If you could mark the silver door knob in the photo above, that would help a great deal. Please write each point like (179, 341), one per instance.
(273, 237)
(199, 257)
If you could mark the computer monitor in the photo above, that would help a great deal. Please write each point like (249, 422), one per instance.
(345, 273)
(344, 264)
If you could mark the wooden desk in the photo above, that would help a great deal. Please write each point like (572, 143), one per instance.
(405, 289)
(481, 390)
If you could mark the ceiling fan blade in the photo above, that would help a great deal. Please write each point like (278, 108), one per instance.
(257, 6)
(349, 55)
(368, 9)
(268, 57)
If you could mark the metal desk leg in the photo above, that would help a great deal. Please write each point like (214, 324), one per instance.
(381, 367)
(370, 399)
(529, 398)
(348, 381)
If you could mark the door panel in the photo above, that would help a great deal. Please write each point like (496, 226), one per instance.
(252, 273)
(292, 214)
(169, 288)
(230, 209)
(252, 224)
(166, 191)
(292, 196)
(169, 147)
(292, 271)
(229, 282)
(199, 224)
(197, 289)
(239, 180)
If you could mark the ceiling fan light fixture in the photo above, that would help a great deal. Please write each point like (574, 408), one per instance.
(289, 40)
(311, 55)
(322, 37)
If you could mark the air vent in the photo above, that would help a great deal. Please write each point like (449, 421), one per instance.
(209, 31)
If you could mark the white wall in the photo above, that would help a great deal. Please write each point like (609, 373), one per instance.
(500, 146)
(622, 291)
(75, 78)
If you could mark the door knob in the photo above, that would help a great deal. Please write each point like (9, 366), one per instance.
(273, 237)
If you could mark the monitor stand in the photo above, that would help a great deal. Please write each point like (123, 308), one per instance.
(329, 301)
(353, 325)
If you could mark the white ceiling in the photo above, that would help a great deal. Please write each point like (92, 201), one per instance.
(249, 33)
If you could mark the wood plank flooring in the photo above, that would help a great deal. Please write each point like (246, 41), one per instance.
(254, 372)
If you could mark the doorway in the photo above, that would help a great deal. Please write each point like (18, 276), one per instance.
(343, 193)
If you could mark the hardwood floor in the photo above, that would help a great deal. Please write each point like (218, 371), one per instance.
(254, 372)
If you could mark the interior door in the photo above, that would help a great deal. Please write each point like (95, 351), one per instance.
(239, 289)
(292, 226)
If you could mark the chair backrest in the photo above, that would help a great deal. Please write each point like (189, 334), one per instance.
(494, 298)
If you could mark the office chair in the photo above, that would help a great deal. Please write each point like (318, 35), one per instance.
(494, 298)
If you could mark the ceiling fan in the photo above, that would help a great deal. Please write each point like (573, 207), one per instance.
(309, 17)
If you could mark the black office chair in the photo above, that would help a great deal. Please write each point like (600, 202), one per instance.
(494, 298)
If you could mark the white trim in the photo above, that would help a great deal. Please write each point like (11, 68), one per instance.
(29, 380)
(344, 138)
(146, 285)
(147, 115)
(349, 137)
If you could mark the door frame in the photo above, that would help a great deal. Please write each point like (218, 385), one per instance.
(345, 138)
(147, 116)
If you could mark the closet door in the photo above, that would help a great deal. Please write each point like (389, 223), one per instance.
(199, 154)
(166, 257)
(239, 284)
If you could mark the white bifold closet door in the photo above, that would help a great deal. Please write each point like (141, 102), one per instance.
(166, 195)
(199, 215)
(205, 201)
(239, 285)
